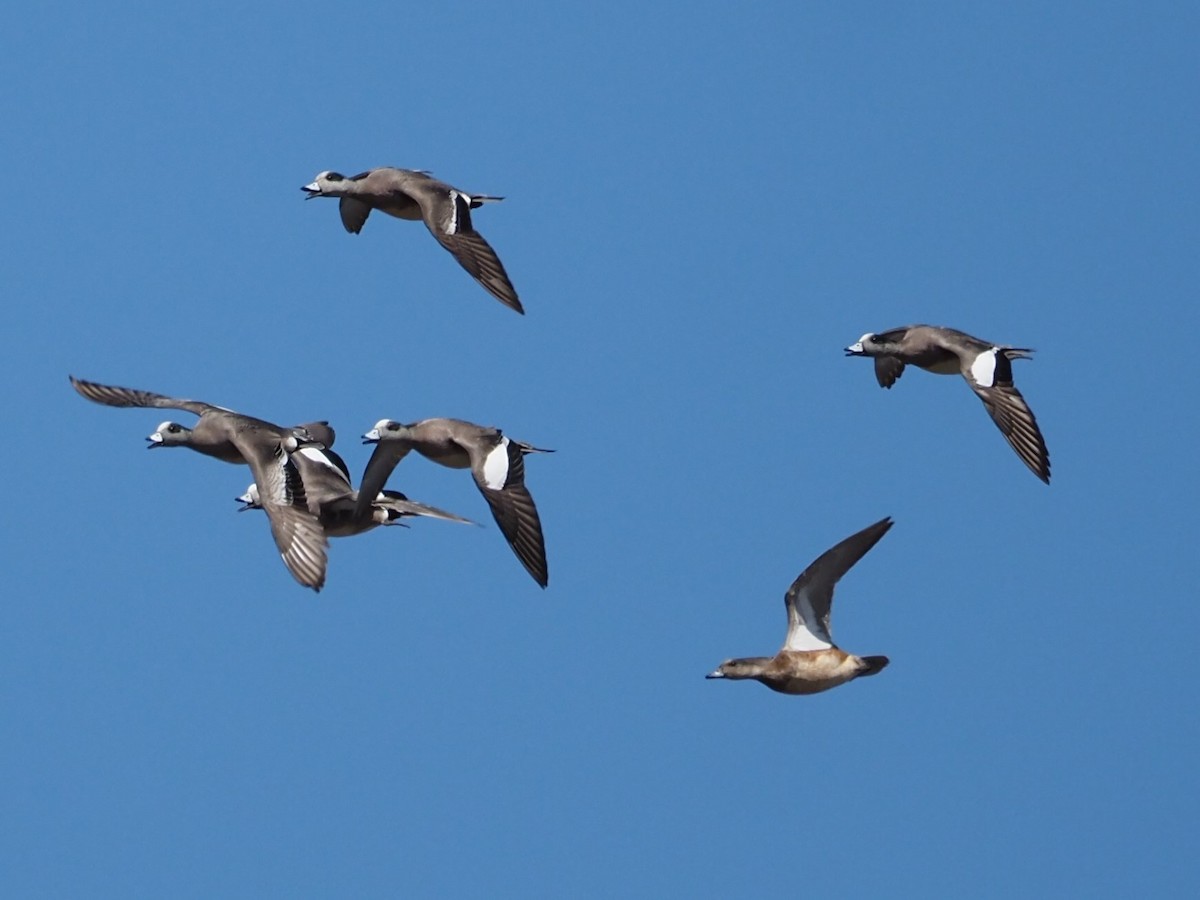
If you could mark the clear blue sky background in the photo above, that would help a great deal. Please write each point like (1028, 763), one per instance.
(706, 202)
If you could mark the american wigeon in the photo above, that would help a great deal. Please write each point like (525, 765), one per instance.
(445, 210)
(986, 367)
(265, 447)
(332, 499)
(496, 462)
(810, 662)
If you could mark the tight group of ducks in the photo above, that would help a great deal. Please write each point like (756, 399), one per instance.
(306, 491)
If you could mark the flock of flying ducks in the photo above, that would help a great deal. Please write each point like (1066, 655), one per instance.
(306, 491)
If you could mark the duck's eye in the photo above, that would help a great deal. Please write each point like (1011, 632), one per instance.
(333, 176)
(393, 426)
(174, 429)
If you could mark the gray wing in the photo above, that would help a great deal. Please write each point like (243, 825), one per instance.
(1015, 420)
(354, 213)
(298, 535)
(383, 461)
(325, 476)
(888, 370)
(448, 219)
(109, 395)
(810, 598)
(402, 506)
(514, 511)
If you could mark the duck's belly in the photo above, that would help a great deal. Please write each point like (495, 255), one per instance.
(449, 454)
(810, 685)
(401, 209)
(810, 672)
(940, 363)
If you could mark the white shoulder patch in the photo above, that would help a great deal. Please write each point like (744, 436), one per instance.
(319, 457)
(983, 370)
(495, 466)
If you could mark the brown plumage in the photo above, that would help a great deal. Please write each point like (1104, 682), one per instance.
(809, 661)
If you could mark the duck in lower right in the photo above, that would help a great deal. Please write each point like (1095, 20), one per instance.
(810, 662)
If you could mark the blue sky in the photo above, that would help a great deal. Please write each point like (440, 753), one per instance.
(705, 203)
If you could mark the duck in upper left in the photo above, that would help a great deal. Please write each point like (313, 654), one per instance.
(265, 447)
(411, 194)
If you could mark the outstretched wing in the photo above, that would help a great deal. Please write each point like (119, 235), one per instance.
(810, 598)
(500, 477)
(990, 377)
(109, 395)
(396, 502)
(449, 220)
(298, 534)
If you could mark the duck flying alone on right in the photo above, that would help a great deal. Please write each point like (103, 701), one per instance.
(445, 210)
(810, 662)
(986, 367)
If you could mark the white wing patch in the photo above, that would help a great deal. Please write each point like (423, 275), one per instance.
(983, 370)
(452, 225)
(319, 457)
(807, 633)
(495, 466)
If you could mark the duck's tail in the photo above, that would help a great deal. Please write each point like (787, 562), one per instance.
(873, 664)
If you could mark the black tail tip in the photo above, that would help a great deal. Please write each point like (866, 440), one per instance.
(874, 664)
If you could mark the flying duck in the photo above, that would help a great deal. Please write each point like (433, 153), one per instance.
(266, 448)
(496, 462)
(332, 499)
(445, 210)
(810, 662)
(987, 368)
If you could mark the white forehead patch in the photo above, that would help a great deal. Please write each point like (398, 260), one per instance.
(163, 426)
(251, 495)
(382, 424)
(495, 466)
(983, 370)
(866, 337)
